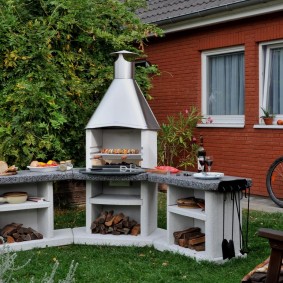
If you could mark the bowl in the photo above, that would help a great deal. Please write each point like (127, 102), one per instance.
(14, 197)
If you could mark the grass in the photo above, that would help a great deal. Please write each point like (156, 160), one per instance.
(142, 264)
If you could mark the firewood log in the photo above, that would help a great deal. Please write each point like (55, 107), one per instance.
(183, 243)
(199, 247)
(132, 223)
(109, 222)
(93, 225)
(125, 221)
(10, 239)
(197, 240)
(109, 216)
(119, 217)
(26, 237)
(136, 230)
(118, 226)
(9, 229)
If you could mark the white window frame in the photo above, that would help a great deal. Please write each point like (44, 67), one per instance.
(236, 121)
(264, 69)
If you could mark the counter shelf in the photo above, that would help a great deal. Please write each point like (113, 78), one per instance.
(24, 206)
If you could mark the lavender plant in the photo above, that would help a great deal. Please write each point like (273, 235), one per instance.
(8, 267)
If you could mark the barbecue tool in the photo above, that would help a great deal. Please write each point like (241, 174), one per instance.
(243, 242)
(234, 186)
(231, 247)
(225, 248)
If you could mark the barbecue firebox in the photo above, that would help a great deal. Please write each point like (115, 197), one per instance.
(123, 129)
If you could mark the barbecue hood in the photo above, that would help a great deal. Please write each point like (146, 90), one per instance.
(123, 105)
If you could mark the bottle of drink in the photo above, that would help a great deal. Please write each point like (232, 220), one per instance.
(201, 156)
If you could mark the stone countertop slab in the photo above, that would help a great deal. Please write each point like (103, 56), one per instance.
(191, 182)
(77, 175)
(26, 176)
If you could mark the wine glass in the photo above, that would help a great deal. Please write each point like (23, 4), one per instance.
(202, 163)
(209, 161)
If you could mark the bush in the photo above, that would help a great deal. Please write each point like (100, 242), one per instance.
(55, 65)
(176, 143)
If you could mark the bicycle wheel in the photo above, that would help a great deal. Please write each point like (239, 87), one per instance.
(274, 181)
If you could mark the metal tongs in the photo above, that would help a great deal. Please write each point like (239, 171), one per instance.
(132, 168)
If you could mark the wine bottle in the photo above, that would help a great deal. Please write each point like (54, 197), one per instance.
(201, 156)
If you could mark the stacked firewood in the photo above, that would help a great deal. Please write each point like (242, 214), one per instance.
(191, 238)
(115, 224)
(15, 232)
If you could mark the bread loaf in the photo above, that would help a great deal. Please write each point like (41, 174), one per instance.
(12, 168)
(3, 167)
(98, 162)
(34, 163)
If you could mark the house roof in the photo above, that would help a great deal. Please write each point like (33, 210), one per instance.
(170, 13)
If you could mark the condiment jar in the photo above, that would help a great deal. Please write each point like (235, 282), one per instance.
(69, 164)
(63, 166)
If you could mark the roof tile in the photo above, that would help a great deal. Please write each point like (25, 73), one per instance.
(160, 10)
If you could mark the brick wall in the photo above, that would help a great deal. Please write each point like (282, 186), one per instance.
(69, 193)
(246, 152)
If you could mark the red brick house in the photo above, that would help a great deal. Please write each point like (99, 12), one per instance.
(226, 58)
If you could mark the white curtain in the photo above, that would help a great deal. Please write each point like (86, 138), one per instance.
(226, 84)
(275, 87)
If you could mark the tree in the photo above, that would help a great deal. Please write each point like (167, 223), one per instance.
(55, 65)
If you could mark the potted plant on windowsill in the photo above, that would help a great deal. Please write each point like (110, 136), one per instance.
(267, 117)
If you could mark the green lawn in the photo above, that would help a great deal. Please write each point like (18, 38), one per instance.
(135, 264)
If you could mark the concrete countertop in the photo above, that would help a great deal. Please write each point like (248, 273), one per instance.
(191, 182)
(26, 176)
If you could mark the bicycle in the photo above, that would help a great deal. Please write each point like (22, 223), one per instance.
(274, 181)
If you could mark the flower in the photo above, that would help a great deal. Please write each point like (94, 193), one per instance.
(209, 120)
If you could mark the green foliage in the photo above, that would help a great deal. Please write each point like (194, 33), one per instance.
(175, 140)
(55, 65)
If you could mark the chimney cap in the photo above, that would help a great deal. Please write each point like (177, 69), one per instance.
(129, 53)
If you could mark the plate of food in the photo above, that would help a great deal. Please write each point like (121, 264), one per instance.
(6, 170)
(37, 166)
(43, 169)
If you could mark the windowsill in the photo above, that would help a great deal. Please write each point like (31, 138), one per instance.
(221, 125)
(263, 126)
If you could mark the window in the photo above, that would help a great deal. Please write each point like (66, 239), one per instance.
(223, 86)
(271, 74)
